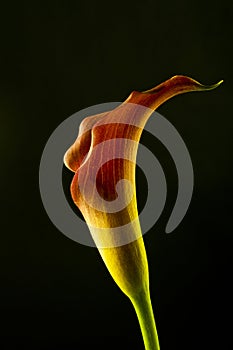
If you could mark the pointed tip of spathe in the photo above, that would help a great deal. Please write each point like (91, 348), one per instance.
(199, 86)
(213, 86)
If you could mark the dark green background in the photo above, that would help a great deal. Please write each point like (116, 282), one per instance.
(57, 58)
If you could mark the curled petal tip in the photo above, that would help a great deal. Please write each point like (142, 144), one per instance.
(213, 86)
(181, 84)
(202, 87)
(176, 85)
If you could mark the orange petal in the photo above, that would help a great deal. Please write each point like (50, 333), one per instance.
(126, 114)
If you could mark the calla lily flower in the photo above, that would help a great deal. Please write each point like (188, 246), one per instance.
(103, 158)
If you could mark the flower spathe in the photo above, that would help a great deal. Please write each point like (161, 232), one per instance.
(103, 155)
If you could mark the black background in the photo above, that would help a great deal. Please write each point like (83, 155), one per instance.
(57, 58)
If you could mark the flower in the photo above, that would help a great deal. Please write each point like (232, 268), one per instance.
(103, 158)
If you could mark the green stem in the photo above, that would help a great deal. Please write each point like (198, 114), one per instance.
(144, 311)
